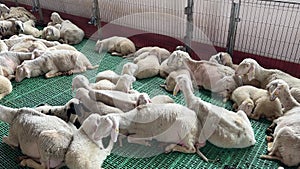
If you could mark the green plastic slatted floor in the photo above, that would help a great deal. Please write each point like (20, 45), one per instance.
(57, 91)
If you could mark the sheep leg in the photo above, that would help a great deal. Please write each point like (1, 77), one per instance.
(53, 73)
(270, 157)
(32, 164)
(142, 141)
(10, 142)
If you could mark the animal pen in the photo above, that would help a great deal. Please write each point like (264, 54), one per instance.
(262, 29)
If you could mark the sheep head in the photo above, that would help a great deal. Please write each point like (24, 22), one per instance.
(55, 18)
(80, 81)
(177, 59)
(19, 26)
(22, 72)
(276, 87)
(143, 99)
(247, 67)
(182, 82)
(129, 68)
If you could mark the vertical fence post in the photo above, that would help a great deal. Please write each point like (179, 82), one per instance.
(95, 19)
(16, 2)
(234, 19)
(37, 8)
(189, 25)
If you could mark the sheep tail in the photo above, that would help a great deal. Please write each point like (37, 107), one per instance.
(7, 114)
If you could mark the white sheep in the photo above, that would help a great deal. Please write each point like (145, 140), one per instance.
(123, 84)
(30, 29)
(217, 78)
(253, 70)
(148, 66)
(10, 27)
(170, 82)
(115, 45)
(51, 33)
(28, 46)
(69, 32)
(5, 86)
(89, 106)
(223, 58)
(285, 147)
(54, 63)
(223, 128)
(160, 99)
(19, 13)
(3, 9)
(3, 46)
(169, 123)
(161, 53)
(10, 60)
(118, 99)
(256, 103)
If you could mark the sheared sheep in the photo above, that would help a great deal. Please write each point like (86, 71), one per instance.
(217, 78)
(147, 67)
(253, 70)
(5, 86)
(69, 32)
(226, 129)
(54, 63)
(115, 45)
(11, 27)
(28, 46)
(256, 103)
(285, 147)
(170, 82)
(161, 53)
(169, 123)
(30, 29)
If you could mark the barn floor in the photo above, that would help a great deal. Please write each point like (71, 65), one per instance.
(57, 91)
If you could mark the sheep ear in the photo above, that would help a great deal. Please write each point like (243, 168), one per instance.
(27, 72)
(176, 89)
(251, 72)
(115, 129)
(209, 127)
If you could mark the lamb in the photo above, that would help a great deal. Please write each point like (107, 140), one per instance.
(119, 46)
(285, 147)
(19, 13)
(69, 32)
(124, 83)
(147, 67)
(28, 46)
(169, 123)
(161, 53)
(10, 60)
(3, 46)
(223, 58)
(89, 106)
(10, 27)
(170, 82)
(3, 9)
(51, 33)
(30, 29)
(121, 100)
(253, 70)
(160, 99)
(256, 103)
(53, 64)
(211, 76)
(5, 86)
(226, 129)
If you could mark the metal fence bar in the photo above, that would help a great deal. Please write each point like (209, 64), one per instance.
(234, 19)
(95, 19)
(189, 25)
(37, 8)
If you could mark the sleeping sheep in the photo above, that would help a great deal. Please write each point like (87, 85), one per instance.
(10, 27)
(119, 46)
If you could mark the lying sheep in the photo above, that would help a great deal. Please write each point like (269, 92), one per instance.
(223, 58)
(53, 64)
(124, 83)
(51, 33)
(161, 53)
(222, 128)
(10, 60)
(3, 46)
(89, 106)
(147, 67)
(217, 78)
(69, 32)
(256, 103)
(115, 45)
(10, 27)
(160, 99)
(19, 13)
(5, 86)
(253, 70)
(28, 46)
(285, 147)
(30, 29)
(169, 123)
(3, 10)
(170, 82)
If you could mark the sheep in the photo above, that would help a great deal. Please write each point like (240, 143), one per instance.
(69, 32)
(28, 46)
(54, 63)
(217, 78)
(170, 80)
(119, 46)
(285, 147)
(51, 33)
(169, 123)
(223, 58)
(124, 83)
(253, 70)
(128, 68)
(19, 13)
(10, 27)
(147, 67)
(10, 60)
(30, 29)
(121, 100)
(256, 103)
(90, 106)
(226, 129)
(3, 46)
(161, 53)
(5, 86)
(160, 99)
(3, 9)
